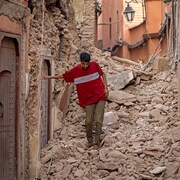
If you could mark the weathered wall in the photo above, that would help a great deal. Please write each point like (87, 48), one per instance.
(14, 23)
(19, 11)
(55, 26)
(85, 19)
(57, 34)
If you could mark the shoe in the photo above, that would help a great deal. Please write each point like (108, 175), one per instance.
(89, 144)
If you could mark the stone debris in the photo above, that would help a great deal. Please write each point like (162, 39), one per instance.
(120, 80)
(121, 97)
(141, 130)
(141, 138)
(158, 170)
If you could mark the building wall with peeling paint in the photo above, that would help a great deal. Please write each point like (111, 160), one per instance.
(50, 38)
(14, 28)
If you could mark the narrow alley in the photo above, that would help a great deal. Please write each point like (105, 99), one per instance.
(42, 126)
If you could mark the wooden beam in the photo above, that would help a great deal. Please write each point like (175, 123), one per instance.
(126, 61)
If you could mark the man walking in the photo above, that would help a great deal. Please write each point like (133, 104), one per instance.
(92, 92)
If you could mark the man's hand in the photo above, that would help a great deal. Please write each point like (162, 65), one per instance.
(43, 77)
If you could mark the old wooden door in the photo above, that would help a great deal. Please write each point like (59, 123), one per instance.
(7, 109)
(45, 105)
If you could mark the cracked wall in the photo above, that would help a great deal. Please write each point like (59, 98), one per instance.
(58, 36)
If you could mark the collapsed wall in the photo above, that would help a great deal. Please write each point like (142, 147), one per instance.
(58, 33)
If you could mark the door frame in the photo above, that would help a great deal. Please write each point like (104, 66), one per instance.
(19, 152)
(47, 60)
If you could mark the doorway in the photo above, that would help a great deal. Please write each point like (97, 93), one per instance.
(8, 108)
(45, 105)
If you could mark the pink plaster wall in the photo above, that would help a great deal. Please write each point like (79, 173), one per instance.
(111, 9)
(154, 17)
(9, 26)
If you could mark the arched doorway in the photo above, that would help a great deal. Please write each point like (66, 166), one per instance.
(8, 109)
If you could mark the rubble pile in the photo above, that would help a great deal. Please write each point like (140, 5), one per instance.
(141, 131)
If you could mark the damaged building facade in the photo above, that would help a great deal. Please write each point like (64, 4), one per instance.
(37, 38)
(14, 28)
